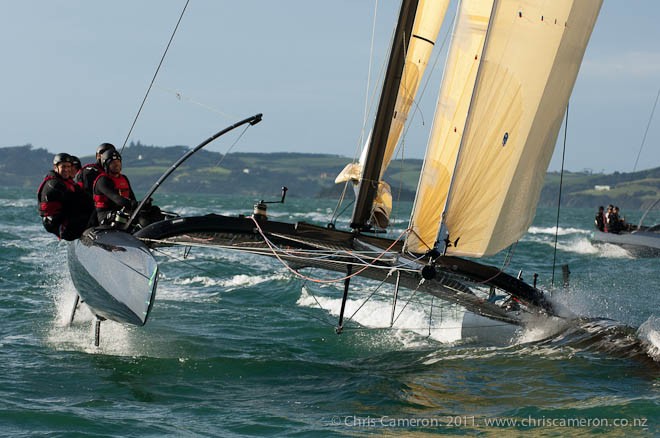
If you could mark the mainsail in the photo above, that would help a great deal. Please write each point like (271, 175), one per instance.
(411, 49)
(530, 61)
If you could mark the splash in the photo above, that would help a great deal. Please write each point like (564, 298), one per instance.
(79, 335)
(443, 325)
(649, 334)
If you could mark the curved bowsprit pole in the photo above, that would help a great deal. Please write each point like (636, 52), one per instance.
(251, 120)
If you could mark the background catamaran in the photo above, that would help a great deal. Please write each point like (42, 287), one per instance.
(642, 241)
(509, 74)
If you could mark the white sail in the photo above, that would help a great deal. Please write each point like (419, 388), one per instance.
(531, 58)
(452, 107)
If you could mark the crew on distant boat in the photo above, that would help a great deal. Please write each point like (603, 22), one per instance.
(87, 175)
(610, 221)
(112, 190)
(599, 221)
(63, 207)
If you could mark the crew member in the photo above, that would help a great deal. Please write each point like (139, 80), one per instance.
(87, 175)
(599, 221)
(75, 163)
(112, 190)
(62, 205)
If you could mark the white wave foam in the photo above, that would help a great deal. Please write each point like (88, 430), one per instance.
(581, 245)
(561, 231)
(445, 325)
(649, 333)
(18, 203)
(235, 282)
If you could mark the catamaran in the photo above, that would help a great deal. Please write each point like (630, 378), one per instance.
(640, 241)
(507, 80)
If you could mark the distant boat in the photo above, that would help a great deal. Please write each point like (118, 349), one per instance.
(642, 241)
(508, 77)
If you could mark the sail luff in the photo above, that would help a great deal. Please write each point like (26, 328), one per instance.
(528, 70)
(456, 91)
(378, 140)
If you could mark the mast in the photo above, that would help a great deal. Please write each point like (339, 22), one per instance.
(378, 142)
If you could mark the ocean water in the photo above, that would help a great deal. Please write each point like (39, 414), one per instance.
(237, 345)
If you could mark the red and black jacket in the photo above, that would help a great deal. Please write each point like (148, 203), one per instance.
(112, 192)
(53, 192)
(86, 177)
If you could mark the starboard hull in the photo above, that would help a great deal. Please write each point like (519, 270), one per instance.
(115, 275)
(638, 243)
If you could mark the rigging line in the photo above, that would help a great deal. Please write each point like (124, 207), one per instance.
(406, 305)
(647, 130)
(223, 156)
(505, 264)
(181, 97)
(336, 215)
(295, 272)
(183, 261)
(366, 94)
(350, 318)
(561, 183)
(154, 78)
(319, 254)
(325, 322)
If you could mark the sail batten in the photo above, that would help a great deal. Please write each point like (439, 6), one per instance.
(530, 61)
(417, 29)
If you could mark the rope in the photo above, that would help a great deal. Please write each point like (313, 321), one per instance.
(154, 78)
(366, 94)
(325, 281)
(647, 130)
(365, 300)
(561, 183)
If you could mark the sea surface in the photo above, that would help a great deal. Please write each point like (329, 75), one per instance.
(237, 345)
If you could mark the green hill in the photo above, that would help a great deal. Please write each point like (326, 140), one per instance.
(310, 175)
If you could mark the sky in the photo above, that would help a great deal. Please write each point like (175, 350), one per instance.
(74, 74)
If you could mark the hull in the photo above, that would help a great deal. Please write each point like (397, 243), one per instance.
(115, 275)
(638, 243)
(486, 330)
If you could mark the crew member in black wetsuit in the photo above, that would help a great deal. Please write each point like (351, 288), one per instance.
(112, 190)
(63, 206)
(87, 175)
(76, 165)
(599, 220)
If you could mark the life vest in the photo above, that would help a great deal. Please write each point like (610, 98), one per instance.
(122, 186)
(87, 175)
(52, 208)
